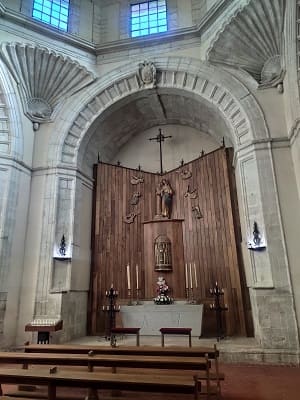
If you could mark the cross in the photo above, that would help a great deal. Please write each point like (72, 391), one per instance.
(160, 138)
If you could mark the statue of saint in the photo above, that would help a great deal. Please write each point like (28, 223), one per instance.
(165, 195)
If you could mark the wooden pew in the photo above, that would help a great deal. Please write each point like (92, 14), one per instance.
(198, 351)
(212, 352)
(94, 381)
(105, 360)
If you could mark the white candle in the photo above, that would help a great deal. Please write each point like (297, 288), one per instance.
(195, 273)
(128, 277)
(137, 276)
(186, 277)
(191, 278)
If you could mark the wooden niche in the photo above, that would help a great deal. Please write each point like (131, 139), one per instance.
(164, 256)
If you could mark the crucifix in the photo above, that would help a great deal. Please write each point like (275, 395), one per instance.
(160, 138)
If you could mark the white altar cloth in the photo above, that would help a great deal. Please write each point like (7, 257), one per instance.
(151, 317)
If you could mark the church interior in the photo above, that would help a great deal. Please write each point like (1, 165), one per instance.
(150, 190)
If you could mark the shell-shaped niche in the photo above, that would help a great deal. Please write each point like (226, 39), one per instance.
(44, 77)
(252, 40)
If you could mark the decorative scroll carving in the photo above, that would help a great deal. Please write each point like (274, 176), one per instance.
(192, 194)
(185, 174)
(129, 218)
(44, 78)
(147, 73)
(197, 212)
(135, 198)
(135, 180)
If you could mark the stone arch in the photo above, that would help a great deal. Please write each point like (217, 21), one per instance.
(199, 79)
(249, 134)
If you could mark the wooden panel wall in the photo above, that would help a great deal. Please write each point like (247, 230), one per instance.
(209, 242)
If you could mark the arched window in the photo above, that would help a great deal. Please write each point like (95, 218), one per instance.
(148, 17)
(52, 12)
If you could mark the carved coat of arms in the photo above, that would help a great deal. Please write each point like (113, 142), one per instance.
(147, 72)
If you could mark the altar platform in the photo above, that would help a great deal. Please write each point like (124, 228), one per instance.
(151, 317)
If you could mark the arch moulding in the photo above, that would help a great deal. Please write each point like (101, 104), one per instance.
(248, 132)
(229, 96)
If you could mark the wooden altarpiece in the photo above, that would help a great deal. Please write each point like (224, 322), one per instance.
(202, 228)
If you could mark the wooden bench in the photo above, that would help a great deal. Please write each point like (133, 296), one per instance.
(94, 381)
(92, 360)
(126, 331)
(172, 351)
(175, 331)
(196, 351)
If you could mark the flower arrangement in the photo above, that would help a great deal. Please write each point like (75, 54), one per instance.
(162, 290)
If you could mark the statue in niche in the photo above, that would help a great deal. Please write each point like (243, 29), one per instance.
(164, 194)
(163, 254)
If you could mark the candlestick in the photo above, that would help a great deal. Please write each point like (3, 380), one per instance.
(196, 282)
(128, 277)
(137, 276)
(186, 277)
(191, 278)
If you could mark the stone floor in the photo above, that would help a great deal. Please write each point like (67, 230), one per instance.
(256, 378)
(232, 350)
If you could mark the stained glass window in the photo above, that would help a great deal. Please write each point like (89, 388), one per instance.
(148, 17)
(52, 12)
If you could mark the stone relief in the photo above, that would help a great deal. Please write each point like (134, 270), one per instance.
(241, 44)
(44, 78)
(147, 73)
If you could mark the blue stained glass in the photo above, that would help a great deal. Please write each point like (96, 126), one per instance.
(63, 26)
(162, 15)
(54, 22)
(46, 18)
(46, 10)
(150, 20)
(37, 14)
(53, 12)
(162, 28)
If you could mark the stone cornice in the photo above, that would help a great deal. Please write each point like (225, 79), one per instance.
(130, 43)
